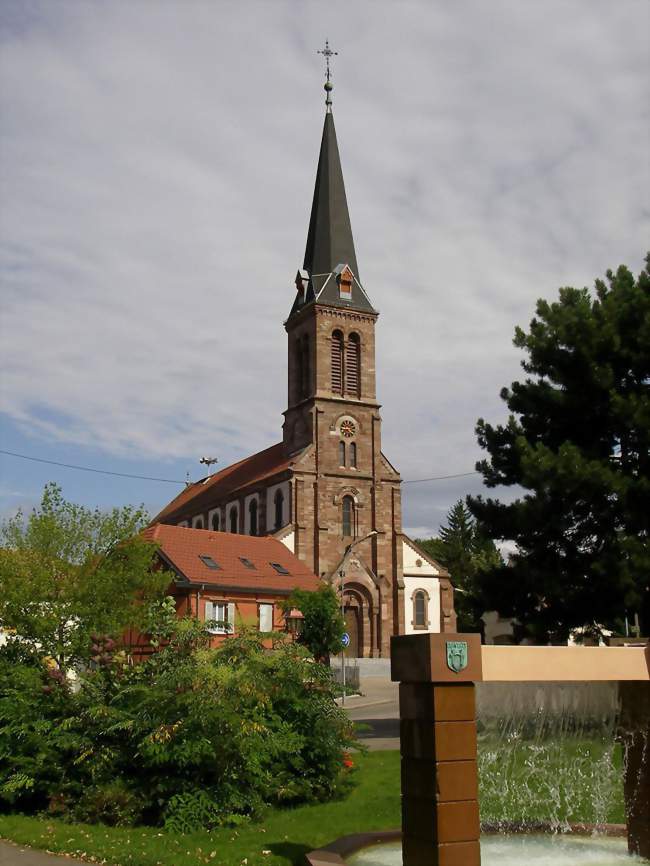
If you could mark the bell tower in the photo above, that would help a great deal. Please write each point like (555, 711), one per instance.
(330, 329)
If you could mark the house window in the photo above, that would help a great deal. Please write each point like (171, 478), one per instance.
(337, 362)
(266, 617)
(353, 366)
(208, 561)
(197, 523)
(353, 455)
(220, 616)
(247, 563)
(252, 516)
(279, 568)
(215, 522)
(233, 519)
(420, 609)
(341, 453)
(348, 516)
(278, 502)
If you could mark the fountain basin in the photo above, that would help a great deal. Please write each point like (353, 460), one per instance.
(584, 847)
(531, 849)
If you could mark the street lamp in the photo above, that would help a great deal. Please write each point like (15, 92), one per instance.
(341, 570)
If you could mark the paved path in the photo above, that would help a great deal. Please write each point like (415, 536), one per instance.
(377, 707)
(20, 855)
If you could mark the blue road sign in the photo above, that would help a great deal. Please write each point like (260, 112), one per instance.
(345, 639)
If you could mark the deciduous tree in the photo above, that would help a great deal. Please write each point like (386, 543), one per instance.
(68, 571)
(323, 625)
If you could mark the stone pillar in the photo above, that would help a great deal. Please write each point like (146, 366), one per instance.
(634, 733)
(440, 814)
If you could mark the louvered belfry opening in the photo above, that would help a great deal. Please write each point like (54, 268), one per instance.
(353, 366)
(337, 362)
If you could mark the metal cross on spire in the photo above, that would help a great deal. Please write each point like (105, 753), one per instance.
(327, 53)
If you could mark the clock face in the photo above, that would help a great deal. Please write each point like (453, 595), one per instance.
(348, 429)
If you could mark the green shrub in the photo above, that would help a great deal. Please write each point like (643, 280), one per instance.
(193, 737)
(112, 803)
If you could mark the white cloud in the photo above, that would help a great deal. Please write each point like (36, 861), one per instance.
(157, 165)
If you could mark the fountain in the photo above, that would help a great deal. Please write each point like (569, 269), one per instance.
(438, 733)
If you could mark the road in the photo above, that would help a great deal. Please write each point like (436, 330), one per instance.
(377, 707)
(20, 855)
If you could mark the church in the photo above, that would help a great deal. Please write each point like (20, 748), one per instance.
(327, 491)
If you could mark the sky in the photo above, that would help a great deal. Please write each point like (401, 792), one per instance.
(157, 162)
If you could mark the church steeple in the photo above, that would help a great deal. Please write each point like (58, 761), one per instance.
(329, 240)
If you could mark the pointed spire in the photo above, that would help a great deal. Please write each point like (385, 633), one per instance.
(329, 241)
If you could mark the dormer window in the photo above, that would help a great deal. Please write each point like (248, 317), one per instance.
(345, 284)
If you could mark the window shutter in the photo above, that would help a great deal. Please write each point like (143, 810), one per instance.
(231, 617)
(352, 366)
(337, 362)
(266, 617)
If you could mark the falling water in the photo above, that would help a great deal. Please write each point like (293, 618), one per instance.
(548, 753)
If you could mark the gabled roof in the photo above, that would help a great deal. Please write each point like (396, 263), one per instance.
(442, 571)
(271, 461)
(182, 549)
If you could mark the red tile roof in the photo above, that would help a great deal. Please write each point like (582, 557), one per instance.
(251, 469)
(183, 547)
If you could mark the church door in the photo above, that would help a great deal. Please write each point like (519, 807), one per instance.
(352, 628)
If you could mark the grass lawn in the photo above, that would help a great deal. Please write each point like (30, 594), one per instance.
(517, 784)
(285, 835)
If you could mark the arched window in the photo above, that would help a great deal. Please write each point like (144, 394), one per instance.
(353, 366)
(233, 519)
(278, 502)
(341, 453)
(347, 516)
(337, 362)
(252, 516)
(420, 609)
(353, 455)
(215, 522)
(197, 523)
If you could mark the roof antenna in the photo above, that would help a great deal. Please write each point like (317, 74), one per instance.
(327, 53)
(209, 461)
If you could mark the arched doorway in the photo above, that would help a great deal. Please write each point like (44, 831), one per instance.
(358, 612)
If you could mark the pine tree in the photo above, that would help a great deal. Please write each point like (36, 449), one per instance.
(465, 552)
(578, 441)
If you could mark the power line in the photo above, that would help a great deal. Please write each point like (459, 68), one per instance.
(440, 477)
(88, 469)
(174, 481)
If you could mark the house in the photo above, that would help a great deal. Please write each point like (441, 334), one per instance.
(327, 491)
(228, 580)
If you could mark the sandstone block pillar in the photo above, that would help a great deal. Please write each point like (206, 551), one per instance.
(634, 733)
(440, 814)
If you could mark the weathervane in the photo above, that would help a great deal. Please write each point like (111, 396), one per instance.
(327, 53)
